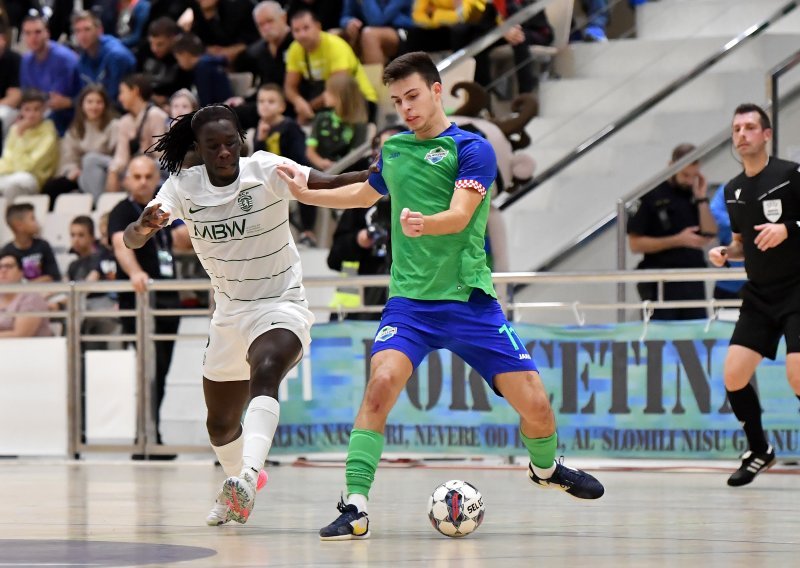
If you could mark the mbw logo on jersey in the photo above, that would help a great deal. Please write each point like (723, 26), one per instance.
(245, 201)
(436, 155)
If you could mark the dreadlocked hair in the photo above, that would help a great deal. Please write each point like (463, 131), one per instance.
(182, 134)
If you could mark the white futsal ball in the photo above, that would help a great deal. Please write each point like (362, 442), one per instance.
(455, 508)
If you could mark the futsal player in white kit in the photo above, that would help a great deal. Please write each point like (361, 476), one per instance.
(237, 213)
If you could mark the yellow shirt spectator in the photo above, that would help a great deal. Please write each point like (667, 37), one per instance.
(438, 13)
(35, 152)
(333, 54)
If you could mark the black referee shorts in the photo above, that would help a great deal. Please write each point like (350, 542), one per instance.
(765, 316)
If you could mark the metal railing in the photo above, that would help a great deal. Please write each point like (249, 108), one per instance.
(143, 338)
(773, 97)
(506, 200)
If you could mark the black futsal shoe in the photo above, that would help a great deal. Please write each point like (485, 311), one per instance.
(575, 482)
(752, 465)
(351, 524)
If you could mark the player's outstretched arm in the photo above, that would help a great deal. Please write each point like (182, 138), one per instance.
(345, 197)
(321, 180)
(453, 220)
(149, 222)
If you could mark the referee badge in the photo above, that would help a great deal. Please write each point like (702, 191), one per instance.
(773, 209)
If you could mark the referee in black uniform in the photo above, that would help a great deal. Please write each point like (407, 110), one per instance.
(764, 206)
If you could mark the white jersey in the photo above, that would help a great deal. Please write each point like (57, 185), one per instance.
(240, 232)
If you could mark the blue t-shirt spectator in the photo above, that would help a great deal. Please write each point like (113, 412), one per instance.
(56, 73)
(389, 13)
(111, 64)
(724, 289)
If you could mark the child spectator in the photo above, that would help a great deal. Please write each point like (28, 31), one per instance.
(87, 147)
(208, 71)
(30, 154)
(182, 102)
(35, 255)
(277, 133)
(334, 132)
(340, 128)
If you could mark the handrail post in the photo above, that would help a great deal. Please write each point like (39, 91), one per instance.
(622, 229)
(773, 97)
(142, 374)
(75, 423)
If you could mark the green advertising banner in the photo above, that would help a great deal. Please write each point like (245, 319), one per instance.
(615, 393)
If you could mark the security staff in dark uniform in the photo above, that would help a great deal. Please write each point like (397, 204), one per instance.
(672, 225)
(764, 206)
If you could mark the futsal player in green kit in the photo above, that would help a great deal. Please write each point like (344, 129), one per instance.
(441, 293)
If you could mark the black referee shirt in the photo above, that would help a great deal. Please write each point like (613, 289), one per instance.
(771, 196)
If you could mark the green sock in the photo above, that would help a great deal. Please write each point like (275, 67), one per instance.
(363, 455)
(541, 450)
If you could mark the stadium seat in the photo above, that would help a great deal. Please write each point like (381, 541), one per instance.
(5, 231)
(55, 230)
(242, 83)
(107, 201)
(73, 204)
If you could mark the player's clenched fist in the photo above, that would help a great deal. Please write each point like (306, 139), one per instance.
(718, 256)
(412, 222)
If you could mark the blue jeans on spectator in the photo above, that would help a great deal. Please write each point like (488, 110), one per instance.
(597, 13)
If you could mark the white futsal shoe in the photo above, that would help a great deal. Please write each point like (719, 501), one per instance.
(239, 494)
(221, 512)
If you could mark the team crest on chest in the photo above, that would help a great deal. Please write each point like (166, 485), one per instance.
(245, 201)
(436, 155)
(773, 209)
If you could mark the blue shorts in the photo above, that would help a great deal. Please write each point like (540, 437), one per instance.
(477, 331)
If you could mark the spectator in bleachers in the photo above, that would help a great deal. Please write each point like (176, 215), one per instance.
(312, 59)
(88, 267)
(208, 73)
(153, 260)
(137, 129)
(156, 61)
(266, 58)
(182, 102)
(327, 12)
(30, 154)
(671, 225)
(10, 93)
(87, 147)
(276, 132)
(597, 16)
(341, 127)
(51, 68)
(35, 255)
(535, 31)
(132, 22)
(334, 133)
(225, 27)
(375, 28)
(445, 25)
(103, 58)
(20, 302)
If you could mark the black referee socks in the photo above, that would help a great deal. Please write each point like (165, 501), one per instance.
(747, 409)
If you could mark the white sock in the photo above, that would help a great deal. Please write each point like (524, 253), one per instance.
(359, 500)
(545, 473)
(230, 456)
(260, 423)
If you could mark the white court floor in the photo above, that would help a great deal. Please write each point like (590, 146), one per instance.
(134, 514)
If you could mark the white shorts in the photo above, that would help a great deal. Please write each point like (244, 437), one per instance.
(230, 336)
